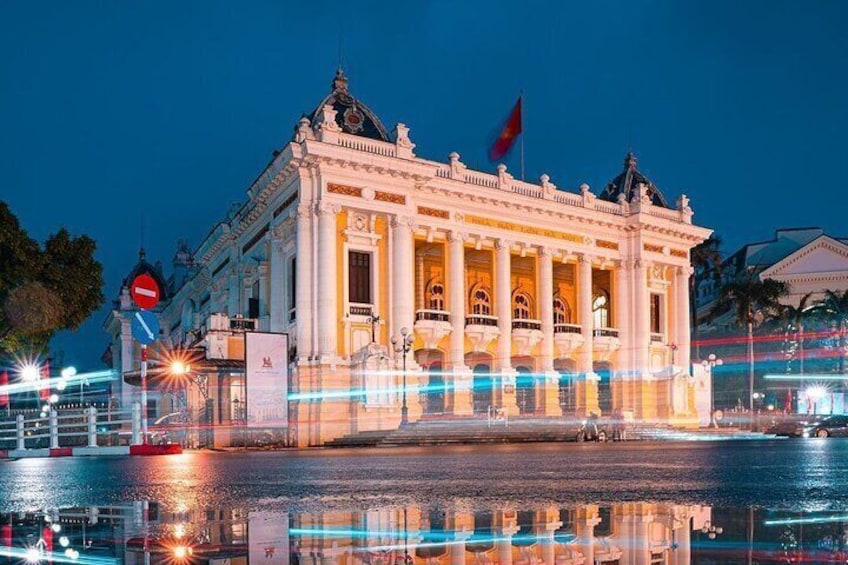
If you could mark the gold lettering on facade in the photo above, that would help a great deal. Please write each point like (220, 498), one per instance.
(436, 213)
(389, 197)
(342, 189)
(606, 244)
(480, 221)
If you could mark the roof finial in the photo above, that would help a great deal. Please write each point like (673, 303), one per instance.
(630, 160)
(141, 254)
(340, 81)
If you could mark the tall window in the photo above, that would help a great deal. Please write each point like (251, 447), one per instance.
(600, 309)
(521, 307)
(253, 301)
(562, 312)
(436, 297)
(481, 303)
(359, 277)
(292, 288)
(656, 313)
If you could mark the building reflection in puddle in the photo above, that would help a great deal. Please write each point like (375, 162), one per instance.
(632, 533)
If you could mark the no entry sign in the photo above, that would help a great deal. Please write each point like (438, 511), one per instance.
(145, 292)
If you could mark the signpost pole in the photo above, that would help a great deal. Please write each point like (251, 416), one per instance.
(144, 394)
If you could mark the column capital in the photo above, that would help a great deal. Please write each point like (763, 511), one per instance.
(305, 210)
(501, 244)
(641, 264)
(455, 236)
(585, 258)
(545, 251)
(325, 208)
(398, 221)
(685, 271)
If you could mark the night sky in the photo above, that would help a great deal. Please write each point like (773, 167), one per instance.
(110, 111)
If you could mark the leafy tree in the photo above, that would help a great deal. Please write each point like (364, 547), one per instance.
(794, 318)
(835, 306)
(706, 260)
(43, 290)
(753, 301)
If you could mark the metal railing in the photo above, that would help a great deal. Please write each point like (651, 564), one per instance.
(605, 332)
(568, 329)
(481, 320)
(432, 315)
(361, 309)
(526, 324)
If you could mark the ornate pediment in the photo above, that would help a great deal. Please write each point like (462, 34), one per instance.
(822, 255)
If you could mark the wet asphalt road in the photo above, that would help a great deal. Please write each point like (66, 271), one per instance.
(794, 474)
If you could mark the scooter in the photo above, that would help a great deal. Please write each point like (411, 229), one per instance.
(589, 431)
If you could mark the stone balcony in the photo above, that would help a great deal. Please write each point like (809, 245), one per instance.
(567, 338)
(605, 342)
(481, 330)
(526, 334)
(432, 326)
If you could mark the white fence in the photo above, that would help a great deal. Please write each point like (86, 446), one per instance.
(89, 427)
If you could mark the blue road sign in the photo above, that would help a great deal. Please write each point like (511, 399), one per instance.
(145, 327)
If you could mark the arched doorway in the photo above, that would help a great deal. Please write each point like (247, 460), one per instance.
(435, 395)
(525, 390)
(604, 370)
(483, 383)
(567, 393)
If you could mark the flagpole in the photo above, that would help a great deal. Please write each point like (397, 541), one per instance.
(521, 107)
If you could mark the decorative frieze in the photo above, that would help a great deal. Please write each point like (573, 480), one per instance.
(492, 223)
(344, 190)
(434, 212)
(606, 244)
(679, 253)
(653, 248)
(390, 197)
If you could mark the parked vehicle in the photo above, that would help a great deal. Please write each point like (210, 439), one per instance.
(831, 426)
(792, 425)
(592, 430)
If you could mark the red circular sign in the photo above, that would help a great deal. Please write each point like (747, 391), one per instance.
(145, 292)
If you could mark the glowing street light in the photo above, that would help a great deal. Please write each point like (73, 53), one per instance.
(68, 372)
(179, 368)
(815, 393)
(29, 372)
(710, 363)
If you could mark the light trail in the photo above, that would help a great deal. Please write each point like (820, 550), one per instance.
(806, 377)
(28, 556)
(447, 538)
(91, 377)
(812, 520)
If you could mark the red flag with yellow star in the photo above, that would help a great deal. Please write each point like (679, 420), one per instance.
(508, 135)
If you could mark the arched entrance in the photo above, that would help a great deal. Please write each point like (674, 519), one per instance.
(525, 390)
(483, 382)
(567, 393)
(604, 370)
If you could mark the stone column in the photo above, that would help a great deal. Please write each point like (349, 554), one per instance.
(683, 332)
(549, 393)
(624, 317)
(235, 289)
(456, 278)
(587, 387)
(277, 307)
(303, 284)
(641, 340)
(458, 397)
(403, 312)
(503, 303)
(327, 317)
(684, 543)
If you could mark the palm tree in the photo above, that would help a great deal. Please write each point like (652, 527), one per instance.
(794, 317)
(835, 305)
(753, 301)
(706, 260)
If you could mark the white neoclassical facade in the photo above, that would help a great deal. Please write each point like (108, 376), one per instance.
(520, 296)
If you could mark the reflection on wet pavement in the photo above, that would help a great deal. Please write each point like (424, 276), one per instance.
(628, 533)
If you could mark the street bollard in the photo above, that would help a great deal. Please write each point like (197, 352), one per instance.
(19, 429)
(92, 427)
(54, 430)
(136, 423)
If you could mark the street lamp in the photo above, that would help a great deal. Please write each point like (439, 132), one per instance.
(710, 363)
(711, 529)
(403, 345)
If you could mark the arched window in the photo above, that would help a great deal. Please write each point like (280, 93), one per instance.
(481, 302)
(436, 296)
(562, 312)
(520, 306)
(600, 309)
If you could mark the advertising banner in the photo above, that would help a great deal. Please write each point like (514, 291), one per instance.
(266, 379)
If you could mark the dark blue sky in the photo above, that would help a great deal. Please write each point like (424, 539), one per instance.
(111, 110)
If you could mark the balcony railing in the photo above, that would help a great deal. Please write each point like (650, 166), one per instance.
(361, 310)
(605, 332)
(481, 320)
(567, 329)
(526, 324)
(432, 316)
(657, 337)
(242, 324)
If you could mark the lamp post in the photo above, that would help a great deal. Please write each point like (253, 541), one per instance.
(404, 346)
(711, 529)
(710, 363)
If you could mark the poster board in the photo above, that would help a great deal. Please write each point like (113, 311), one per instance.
(266, 379)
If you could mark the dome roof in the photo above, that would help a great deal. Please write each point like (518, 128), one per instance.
(627, 183)
(352, 115)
